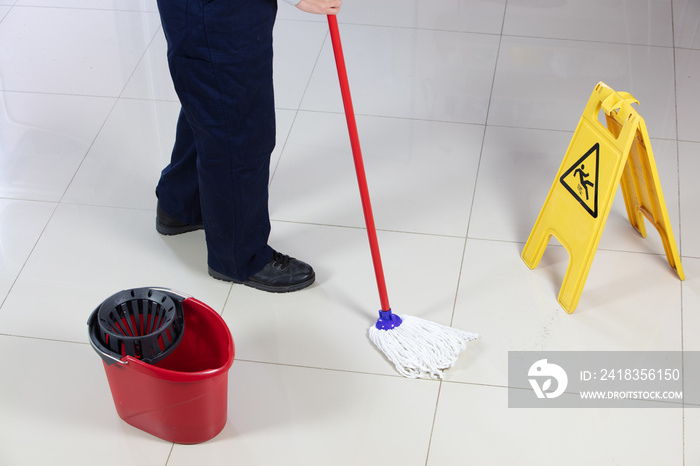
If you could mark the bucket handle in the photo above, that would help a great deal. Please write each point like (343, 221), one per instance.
(179, 294)
(106, 357)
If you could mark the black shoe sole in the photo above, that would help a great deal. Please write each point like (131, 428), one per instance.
(168, 230)
(168, 226)
(269, 288)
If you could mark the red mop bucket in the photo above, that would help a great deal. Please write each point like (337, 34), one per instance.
(182, 397)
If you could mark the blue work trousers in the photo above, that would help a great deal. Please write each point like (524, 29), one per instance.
(220, 59)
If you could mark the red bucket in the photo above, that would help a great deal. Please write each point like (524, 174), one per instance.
(182, 398)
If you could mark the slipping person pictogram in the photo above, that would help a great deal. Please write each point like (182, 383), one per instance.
(583, 182)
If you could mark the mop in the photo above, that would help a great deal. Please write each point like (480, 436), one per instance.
(417, 347)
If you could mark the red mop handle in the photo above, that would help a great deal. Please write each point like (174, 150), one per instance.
(357, 157)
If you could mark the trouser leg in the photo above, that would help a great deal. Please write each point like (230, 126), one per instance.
(220, 57)
(178, 190)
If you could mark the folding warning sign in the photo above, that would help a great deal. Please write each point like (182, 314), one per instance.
(597, 161)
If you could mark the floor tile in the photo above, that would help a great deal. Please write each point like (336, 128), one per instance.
(483, 16)
(474, 422)
(688, 95)
(515, 175)
(21, 224)
(420, 174)
(421, 74)
(630, 302)
(297, 46)
(686, 18)
(595, 21)
(689, 166)
(691, 428)
(57, 408)
(126, 5)
(691, 304)
(98, 50)
(372, 419)
(691, 373)
(286, 11)
(124, 163)
(545, 83)
(151, 78)
(333, 316)
(85, 255)
(44, 140)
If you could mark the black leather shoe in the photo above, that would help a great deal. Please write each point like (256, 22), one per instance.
(281, 275)
(166, 225)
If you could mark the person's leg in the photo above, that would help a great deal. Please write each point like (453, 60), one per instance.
(220, 57)
(179, 209)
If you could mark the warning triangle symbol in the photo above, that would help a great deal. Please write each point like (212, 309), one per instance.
(581, 180)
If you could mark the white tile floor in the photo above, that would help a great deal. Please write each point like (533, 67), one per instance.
(465, 110)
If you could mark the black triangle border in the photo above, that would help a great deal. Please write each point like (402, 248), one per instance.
(594, 212)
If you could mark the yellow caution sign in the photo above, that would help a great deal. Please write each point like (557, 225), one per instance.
(599, 159)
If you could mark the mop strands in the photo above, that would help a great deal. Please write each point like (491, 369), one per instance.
(418, 347)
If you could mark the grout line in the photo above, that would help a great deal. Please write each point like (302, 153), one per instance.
(471, 211)
(432, 427)
(31, 252)
(89, 148)
(395, 375)
(170, 454)
(680, 223)
(53, 340)
(478, 167)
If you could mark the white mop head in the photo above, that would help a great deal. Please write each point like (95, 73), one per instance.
(420, 348)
